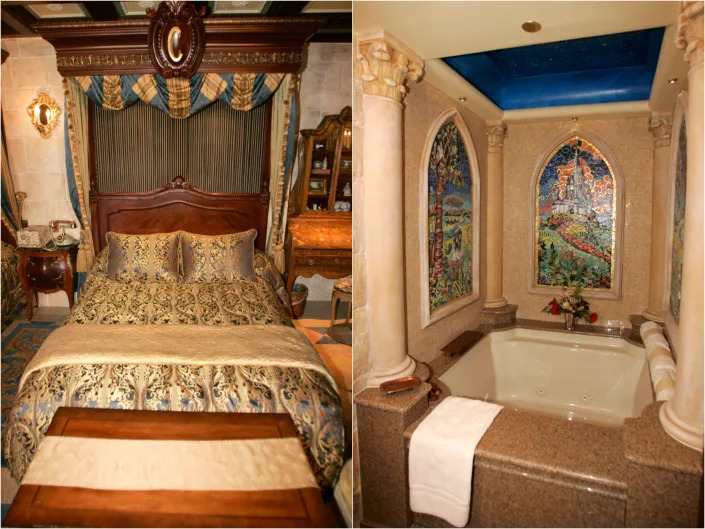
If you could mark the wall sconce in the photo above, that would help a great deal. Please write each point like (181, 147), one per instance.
(44, 113)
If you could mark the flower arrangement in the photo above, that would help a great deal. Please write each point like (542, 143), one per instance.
(573, 305)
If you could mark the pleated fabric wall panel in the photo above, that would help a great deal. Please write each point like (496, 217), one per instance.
(141, 148)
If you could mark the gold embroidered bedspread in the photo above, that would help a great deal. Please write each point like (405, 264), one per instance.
(227, 347)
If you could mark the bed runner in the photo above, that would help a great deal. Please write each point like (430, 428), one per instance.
(254, 345)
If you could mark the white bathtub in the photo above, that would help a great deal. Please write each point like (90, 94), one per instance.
(575, 376)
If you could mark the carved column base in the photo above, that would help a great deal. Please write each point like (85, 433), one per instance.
(678, 429)
(653, 315)
(499, 316)
(495, 303)
(404, 369)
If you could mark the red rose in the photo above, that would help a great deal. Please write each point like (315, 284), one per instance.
(593, 317)
(555, 309)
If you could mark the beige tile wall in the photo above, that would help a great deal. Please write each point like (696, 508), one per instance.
(37, 164)
(632, 144)
(423, 105)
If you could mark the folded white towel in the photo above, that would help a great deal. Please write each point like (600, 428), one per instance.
(441, 455)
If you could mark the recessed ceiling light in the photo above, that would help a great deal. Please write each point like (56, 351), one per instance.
(462, 98)
(672, 80)
(531, 26)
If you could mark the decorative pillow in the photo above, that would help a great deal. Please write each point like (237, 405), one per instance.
(218, 258)
(143, 257)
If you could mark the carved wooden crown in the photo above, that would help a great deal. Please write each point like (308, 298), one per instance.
(176, 39)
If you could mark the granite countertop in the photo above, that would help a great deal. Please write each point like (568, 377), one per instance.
(647, 443)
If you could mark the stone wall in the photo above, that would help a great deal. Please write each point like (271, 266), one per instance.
(37, 164)
(631, 142)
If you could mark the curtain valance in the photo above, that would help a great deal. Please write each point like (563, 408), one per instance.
(181, 98)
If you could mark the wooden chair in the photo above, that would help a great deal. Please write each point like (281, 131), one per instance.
(342, 290)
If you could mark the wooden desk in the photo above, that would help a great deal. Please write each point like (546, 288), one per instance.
(319, 245)
(42, 505)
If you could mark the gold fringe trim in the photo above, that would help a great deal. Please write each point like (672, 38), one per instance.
(86, 253)
(276, 239)
(9, 226)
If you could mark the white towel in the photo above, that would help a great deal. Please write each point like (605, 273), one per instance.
(441, 455)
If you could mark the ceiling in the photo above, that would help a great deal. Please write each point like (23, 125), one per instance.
(603, 69)
(509, 69)
(17, 18)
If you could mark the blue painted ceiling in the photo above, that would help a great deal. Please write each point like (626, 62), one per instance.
(605, 69)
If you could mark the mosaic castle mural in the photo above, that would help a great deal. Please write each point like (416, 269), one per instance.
(678, 224)
(449, 218)
(575, 205)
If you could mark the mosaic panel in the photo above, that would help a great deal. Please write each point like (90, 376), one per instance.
(575, 220)
(450, 232)
(678, 225)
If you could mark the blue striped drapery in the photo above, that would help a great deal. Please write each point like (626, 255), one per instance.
(181, 98)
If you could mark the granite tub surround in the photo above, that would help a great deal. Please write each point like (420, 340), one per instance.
(383, 460)
(664, 477)
(536, 470)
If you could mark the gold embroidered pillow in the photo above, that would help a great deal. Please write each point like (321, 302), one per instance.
(143, 257)
(218, 258)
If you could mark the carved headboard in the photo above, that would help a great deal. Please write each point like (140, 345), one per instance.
(179, 206)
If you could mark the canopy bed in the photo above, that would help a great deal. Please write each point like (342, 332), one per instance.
(182, 306)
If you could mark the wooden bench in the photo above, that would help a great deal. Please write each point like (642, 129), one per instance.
(94, 507)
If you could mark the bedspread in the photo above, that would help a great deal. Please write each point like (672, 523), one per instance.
(252, 368)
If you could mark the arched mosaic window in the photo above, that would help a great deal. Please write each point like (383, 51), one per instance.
(577, 220)
(450, 201)
(678, 177)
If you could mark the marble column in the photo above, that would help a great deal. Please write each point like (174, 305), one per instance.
(660, 126)
(385, 64)
(496, 132)
(682, 416)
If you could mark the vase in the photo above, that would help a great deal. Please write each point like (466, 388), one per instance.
(569, 321)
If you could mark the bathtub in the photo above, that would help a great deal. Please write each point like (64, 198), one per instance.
(596, 379)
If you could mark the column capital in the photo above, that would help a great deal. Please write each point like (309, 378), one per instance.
(689, 33)
(496, 132)
(660, 126)
(385, 64)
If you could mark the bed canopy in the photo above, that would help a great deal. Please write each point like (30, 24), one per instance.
(180, 63)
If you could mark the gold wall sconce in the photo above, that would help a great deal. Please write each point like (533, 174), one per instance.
(44, 113)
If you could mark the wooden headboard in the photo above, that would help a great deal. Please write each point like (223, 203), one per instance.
(179, 206)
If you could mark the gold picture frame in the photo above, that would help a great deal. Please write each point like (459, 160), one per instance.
(317, 186)
(44, 114)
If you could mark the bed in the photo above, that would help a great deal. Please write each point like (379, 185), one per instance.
(12, 293)
(152, 340)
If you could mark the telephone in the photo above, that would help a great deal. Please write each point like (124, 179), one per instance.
(62, 238)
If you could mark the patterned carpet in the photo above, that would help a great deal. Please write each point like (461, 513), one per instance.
(22, 339)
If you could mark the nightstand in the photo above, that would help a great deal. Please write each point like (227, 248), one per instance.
(47, 271)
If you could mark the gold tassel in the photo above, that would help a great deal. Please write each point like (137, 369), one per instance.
(84, 259)
(279, 260)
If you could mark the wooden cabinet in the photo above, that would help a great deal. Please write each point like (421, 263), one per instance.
(325, 184)
(47, 271)
(320, 215)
